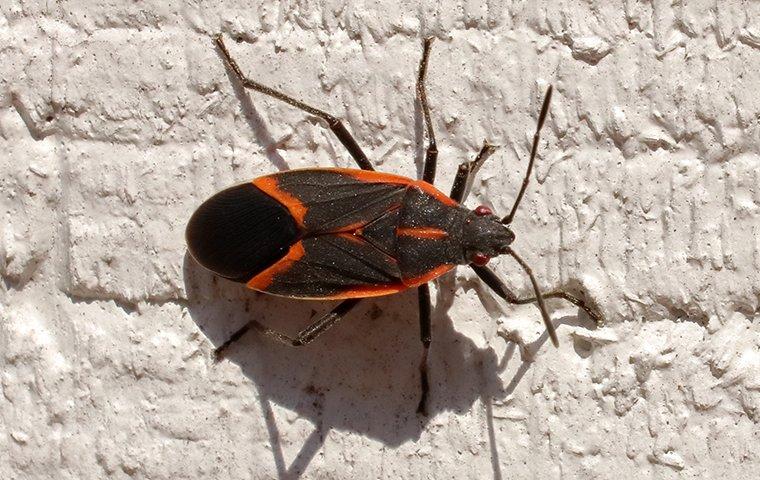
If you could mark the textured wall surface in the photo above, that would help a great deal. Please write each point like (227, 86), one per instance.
(118, 118)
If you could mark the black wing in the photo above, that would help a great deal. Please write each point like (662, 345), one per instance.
(239, 232)
(331, 266)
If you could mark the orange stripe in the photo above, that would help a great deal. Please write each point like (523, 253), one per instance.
(424, 278)
(422, 232)
(353, 237)
(269, 186)
(380, 177)
(264, 279)
(367, 291)
(371, 176)
(352, 228)
(356, 292)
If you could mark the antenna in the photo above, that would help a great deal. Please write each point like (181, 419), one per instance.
(541, 117)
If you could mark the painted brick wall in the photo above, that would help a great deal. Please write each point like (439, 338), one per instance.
(118, 118)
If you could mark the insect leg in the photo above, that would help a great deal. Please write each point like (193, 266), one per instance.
(310, 333)
(431, 155)
(335, 125)
(305, 336)
(466, 173)
(570, 298)
(498, 287)
(423, 292)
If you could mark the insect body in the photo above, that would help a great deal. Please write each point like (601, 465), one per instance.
(336, 233)
(339, 233)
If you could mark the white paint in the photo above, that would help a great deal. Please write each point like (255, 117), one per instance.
(117, 120)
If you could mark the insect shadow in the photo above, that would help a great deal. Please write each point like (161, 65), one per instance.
(361, 376)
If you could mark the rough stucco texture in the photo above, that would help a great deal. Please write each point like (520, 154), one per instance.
(117, 119)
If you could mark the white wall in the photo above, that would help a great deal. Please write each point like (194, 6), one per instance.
(117, 119)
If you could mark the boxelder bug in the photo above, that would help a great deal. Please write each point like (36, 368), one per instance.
(348, 234)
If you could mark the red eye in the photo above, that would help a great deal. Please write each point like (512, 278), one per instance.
(482, 210)
(480, 259)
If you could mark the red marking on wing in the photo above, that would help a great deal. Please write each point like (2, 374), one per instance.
(264, 279)
(378, 177)
(269, 186)
(352, 236)
(352, 228)
(366, 291)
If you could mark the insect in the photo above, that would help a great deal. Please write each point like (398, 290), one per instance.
(349, 234)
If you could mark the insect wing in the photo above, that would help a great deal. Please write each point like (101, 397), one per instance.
(331, 266)
(333, 200)
(240, 231)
